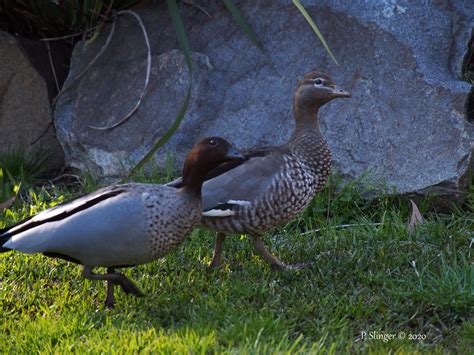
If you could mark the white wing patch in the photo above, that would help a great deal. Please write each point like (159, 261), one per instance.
(218, 213)
(225, 211)
(239, 202)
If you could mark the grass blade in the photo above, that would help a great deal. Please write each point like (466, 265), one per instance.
(315, 28)
(180, 31)
(163, 139)
(242, 22)
(183, 41)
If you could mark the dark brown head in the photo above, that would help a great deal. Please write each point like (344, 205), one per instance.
(205, 156)
(316, 89)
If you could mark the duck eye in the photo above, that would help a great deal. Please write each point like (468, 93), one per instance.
(213, 142)
(318, 81)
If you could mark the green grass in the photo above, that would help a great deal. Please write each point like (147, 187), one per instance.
(371, 278)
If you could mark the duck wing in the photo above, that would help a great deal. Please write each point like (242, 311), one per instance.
(60, 212)
(232, 164)
(242, 184)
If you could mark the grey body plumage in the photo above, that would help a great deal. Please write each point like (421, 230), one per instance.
(135, 224)
(122, 225)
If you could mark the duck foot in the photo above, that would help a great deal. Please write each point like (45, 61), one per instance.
(217, 257)
(112, 279)
(298, 266)
(129, 287)
(275, 263)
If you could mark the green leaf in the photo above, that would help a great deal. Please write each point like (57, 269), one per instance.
(70, 15)
(163, 139)
(183, 41)
(86, 6)
(242, 22)
(96, 12)
(95, 34)
(180, 31)
(315, 28)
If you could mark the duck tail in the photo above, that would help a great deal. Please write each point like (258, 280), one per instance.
(4, 237)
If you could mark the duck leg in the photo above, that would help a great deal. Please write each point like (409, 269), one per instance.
(273, 260)
(112, 279)
(263, 252)
(216, 258)
(110, 298)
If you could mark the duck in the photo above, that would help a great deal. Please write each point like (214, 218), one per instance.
(272, 184)
(122, 225)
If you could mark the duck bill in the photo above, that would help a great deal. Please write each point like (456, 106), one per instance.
(233, 154)
(338, 92)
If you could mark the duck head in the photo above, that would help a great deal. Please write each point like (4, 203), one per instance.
(205, 156)
(314, 90)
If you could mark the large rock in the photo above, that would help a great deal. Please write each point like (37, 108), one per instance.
(406, 121)
(25, 114)
(107, 94)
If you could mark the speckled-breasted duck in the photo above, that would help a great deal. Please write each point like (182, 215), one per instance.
(122, 225)
(273, 184)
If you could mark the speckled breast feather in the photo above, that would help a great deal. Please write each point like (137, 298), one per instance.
(304, 171)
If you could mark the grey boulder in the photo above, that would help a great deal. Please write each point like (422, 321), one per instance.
(26, 122)
(406, 121)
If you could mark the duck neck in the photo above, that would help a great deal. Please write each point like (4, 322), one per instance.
(307, 141)
(193, 178)
(306, 120)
